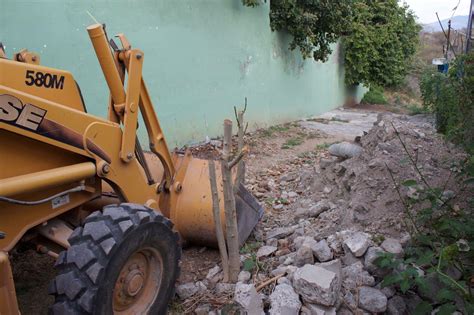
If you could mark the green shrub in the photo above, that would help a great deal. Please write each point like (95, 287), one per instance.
(374, 96)
(451, 98)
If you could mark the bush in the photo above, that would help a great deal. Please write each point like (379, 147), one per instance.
(451, 98)
(374, 96)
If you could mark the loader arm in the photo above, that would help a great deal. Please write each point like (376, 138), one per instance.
(126, 104)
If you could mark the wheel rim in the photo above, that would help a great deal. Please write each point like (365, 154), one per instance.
(138, 283)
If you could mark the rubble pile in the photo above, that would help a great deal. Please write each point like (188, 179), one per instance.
(328, 219)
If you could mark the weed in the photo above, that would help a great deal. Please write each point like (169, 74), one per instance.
(374, 96)
(323, 146)
(442, 236)
(414, 109)
(292, 142)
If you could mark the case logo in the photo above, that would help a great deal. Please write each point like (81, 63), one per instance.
(14, 112)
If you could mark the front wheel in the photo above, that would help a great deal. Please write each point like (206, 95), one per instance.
(124, 260)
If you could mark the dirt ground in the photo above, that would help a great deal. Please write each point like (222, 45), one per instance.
(281, 167)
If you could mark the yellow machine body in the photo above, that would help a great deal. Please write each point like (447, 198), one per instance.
(50, 146)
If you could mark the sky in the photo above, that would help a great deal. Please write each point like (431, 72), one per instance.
(426, 9)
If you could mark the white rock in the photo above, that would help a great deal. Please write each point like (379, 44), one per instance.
(304, 256)
(186, 290)
(247, 297)
(355, 276)
(369, 259)
(244, 276)
(213, 272)
(372, 300)
(314, 309)
(265, 251)
(322, 251)
(316, 284)
(281, 232)
(357, 242)
(284, 300)
(393, 246)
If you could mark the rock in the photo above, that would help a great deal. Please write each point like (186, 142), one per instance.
(244, 276)
(265, 251)
(370, 256)
(345, 149)
(315, 309)
(247, 297)
(284, 280)
(392, 246)
(300, 240)
(186, 290)
(316, 284)
(349, 258)
(284, 300)
(202, 309)
(434, 285)
(322, 251)
(278, 271)
(224, 287)
(304, 256)
(334, 243)
(272, 242)
(213, 274)
(281, 232)
(357, 242)
(325, 163)
(355, 276)
(388, 291)
(349, 300)
(313, 211)
(372, 300)
(278, 206)
(396, 306)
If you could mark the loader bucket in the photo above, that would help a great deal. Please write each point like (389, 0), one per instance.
(192, 213)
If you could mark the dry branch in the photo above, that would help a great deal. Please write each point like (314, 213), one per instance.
(229, 205)
(217, 221)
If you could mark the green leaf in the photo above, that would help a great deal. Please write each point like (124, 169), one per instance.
(446, 309)
(423, 308)
(391, 279)
(405, 285)
(445, 295)
(249, 264)
(409, 182)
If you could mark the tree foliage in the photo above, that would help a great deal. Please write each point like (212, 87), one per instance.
(313, 24)
(379, 36)
(382, 40)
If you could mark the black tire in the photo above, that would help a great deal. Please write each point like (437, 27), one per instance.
(89, 269)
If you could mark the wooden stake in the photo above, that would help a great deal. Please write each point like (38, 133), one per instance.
(229, 205)
(217, 221)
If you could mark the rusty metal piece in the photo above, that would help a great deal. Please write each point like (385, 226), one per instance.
(138, 282)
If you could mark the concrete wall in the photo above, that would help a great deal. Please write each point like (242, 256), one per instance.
(202, 57)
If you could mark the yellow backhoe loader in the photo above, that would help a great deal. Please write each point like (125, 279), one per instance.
(81, 189)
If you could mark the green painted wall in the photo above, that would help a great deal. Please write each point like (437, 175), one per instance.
(202, 57)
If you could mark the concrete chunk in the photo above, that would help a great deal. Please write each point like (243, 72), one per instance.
(372, 300)
(265, 251)
(247, 297)
(322, 251)
(284, 300)
(316, 284)
(357, 242)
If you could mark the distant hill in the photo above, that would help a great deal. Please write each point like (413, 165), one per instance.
(457, 22)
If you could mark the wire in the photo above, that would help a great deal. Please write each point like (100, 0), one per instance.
(37, 202)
